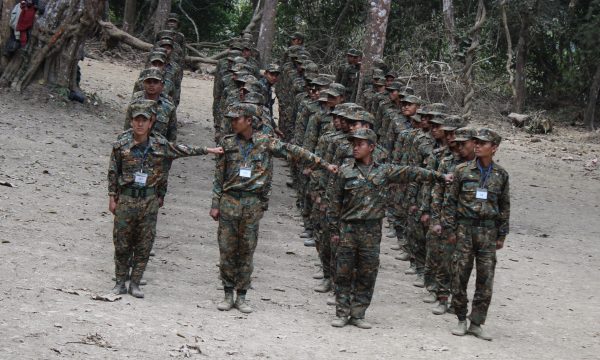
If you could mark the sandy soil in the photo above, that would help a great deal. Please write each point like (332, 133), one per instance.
(56, 253)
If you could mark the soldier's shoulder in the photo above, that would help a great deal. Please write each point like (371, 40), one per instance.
(228, 141)
(348, 170)
(500, 169)
(123, 139)
(463, 166)
(159, 138)
(166, 100)
(138, 95)
(439, 152)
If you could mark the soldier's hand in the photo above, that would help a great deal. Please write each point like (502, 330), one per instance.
(449, 178)
(335, 239)
(307, 172)
(112, 204)
(333, 169)
(425, 219)
(452, 239)
(217, 151)
(437, 229)
(499, 244)
(214, 213)
(161, 201)
(279, 133)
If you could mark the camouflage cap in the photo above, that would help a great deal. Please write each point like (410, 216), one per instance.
(165, 41)
(412, 99)
(247, 45)
(240, 109)
(354, 52)
(321, 81)
(152, 73)
(453, 122)
(485, 134)
(335, 89)
(143, 107)
(364, 134)
(436, 110)
(391, 74)
(253, 86)
(378, 63)
(236, 45)
(465, 134)
(358, 114)
(173, 17)
(407, 91)
(297, 35)
(309, 65)
(239, 67)
(396, 85)
(309, 76)
(273, 68)
(158, 56)
(322, 98)
(340, 108)
(253, 98)
(246, 79)
(232, 54)
(239, 60)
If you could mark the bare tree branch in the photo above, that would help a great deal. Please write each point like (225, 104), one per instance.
(191, 20)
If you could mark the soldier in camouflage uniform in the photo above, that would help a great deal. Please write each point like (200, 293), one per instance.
(157, 59)
(377, 86)
(349, 73)
(356, 211)
(240, 196)
(138, 164)
(461, 144)
(173, 71)
(477, 213)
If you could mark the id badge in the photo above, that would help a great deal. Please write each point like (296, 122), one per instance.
(141, 178)
(481, 194)
(245, 172)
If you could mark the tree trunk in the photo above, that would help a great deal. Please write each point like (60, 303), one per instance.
(129, 16)
(267, 31)
(6, 7)
(52, 52)
(589, 116)
(374, 40)
(521, 62)
(468, 70)
(509, 51)
(160, 16)
(448, 9)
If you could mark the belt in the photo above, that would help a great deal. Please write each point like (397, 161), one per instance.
(477, 222)
(240, 194)
(138, 192)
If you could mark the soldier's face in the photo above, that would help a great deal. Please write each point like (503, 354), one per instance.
(380, 88)
(485, 149)
(297, 41)
(332, 101)
(394, 95)
(450, 136)
(272, 78)
(409, 109)
(337, 123)
(168, 49)
(355, 125)
(141, 125)
(362, 149)
(425, 124)
(437, 132)
(246, 53)
(466, 149)
(172, 25)
(315, 93)
(153, 86)
(388, 80)
(241, 124)
(344, 125)
(158, 64)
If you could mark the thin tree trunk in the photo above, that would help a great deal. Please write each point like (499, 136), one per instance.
(509, 51)
(374, 40)
(589, 116)
(521, 62)
(468, 73)
(129, 16)
(448, 9)
(6, 7)
(160, 16)
(267, 31)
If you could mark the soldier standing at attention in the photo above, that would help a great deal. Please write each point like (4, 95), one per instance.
(357, 203)
(138, 165)
(240, 196)
(348, 74)
(478, 212)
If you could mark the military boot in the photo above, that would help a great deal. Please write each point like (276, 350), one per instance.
(411, 270)
(120, 288)
(310, 242)
(306, 234)
(360, 323)
(324, 286)
(403, 256)
(135, 291)
(396, 247)
(440, 308)
(227, 302)
(460, 329)
(391, 233)
(241, 304)
(478, 331)
(340, 321)
(331, 300)
(430, 298)
(420, 281)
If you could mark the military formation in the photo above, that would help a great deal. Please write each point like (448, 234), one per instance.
(357, 156)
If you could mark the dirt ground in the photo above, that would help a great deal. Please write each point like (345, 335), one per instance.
(56, 253)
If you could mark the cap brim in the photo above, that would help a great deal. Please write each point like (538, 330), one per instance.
(152, 77)
(331, 92)
(449, 128)
(461, 139)
(145, 114)
(482, 138)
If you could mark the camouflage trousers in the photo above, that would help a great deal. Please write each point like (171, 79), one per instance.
(398, 214)
(474, 245)
(322, 237)
(357, 265)
(437, 264)
(133, 235)
(415, 237)
(240, 214)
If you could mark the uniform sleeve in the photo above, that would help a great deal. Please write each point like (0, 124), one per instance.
(218, 181)
(172, 129)
(437, 198)
(504, 206)
(128, 117)
(400, 174)
(175, 151)
(335, 197)
(114, 170)
(284, 150)
(426, 187)
(451, 203)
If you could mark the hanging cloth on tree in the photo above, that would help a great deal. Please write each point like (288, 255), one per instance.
(25, 22)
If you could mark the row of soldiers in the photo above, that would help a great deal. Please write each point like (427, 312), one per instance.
(318, 112)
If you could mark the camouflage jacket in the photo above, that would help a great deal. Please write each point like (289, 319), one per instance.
(174, 73)
(310, 107)
(418, 154)
(398, 124)
(463, 204)
(433, 164)
(166, 117)
(439, 192)
(362, 194)
(256, 155)
(314, 127)
(168, 88)
(153, 158)
(389, 113)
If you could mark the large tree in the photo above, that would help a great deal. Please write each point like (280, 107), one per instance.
(57, 38)
(266, 33)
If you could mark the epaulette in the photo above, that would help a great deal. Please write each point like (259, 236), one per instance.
(123, 138)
